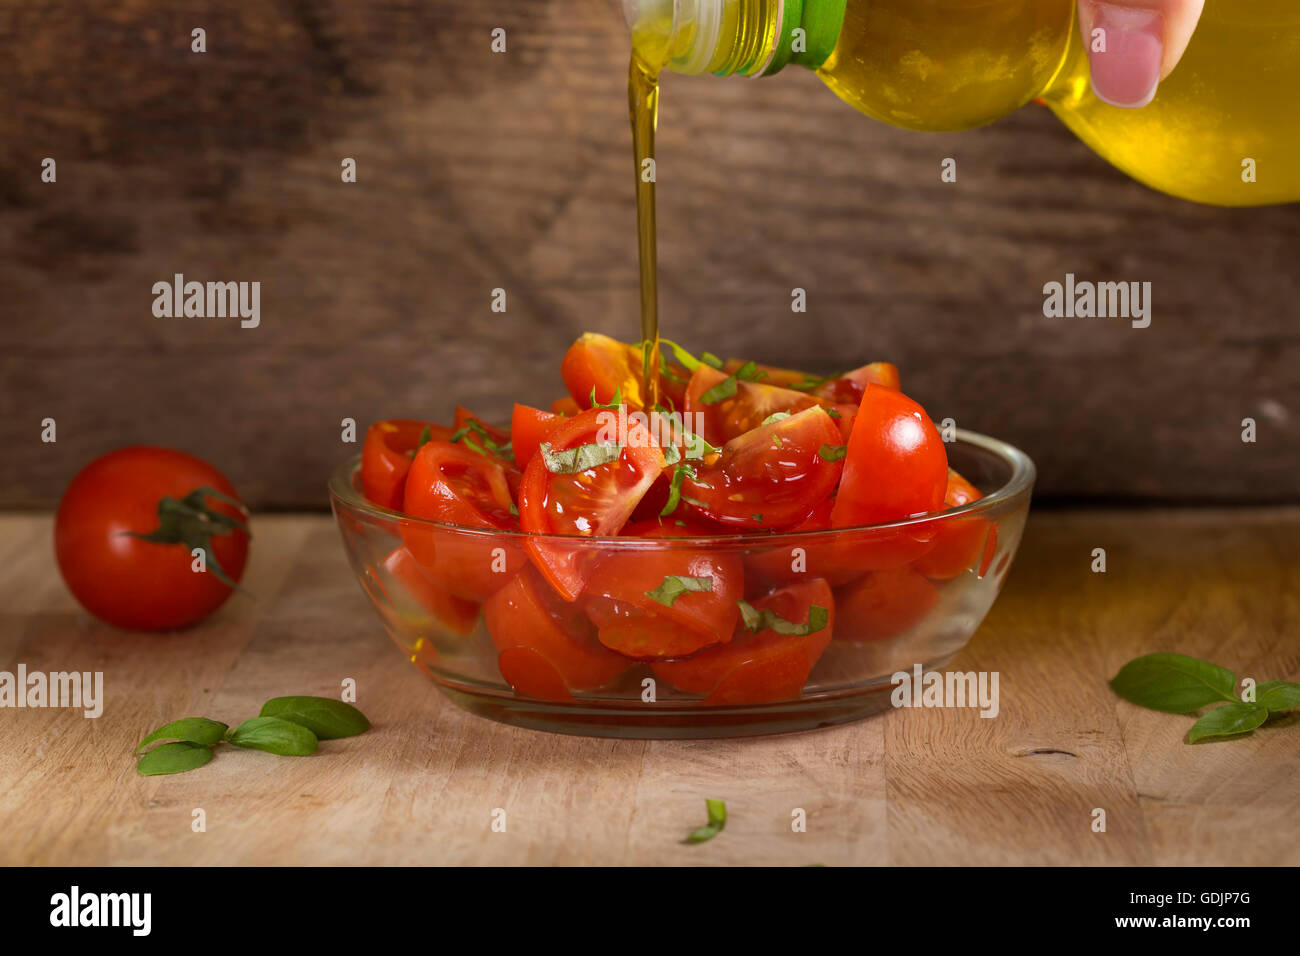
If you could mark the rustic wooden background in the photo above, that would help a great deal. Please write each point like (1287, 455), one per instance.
(480, 170)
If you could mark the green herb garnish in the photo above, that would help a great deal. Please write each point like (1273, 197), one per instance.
(176, 757)
(426, 436)
(1178, 684)
(195, 730)
(328, 719)
(708, 358)
(614, 403)
(832, 452)
(675, 585)
(727, 387)
(717, 820)
(767, 619)
(776, 417)
(486, 444)
(680, 473)
(572, 461)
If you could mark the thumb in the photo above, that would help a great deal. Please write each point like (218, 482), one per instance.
(1134, 44)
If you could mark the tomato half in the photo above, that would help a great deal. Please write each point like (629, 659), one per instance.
(850, 387)
(629, 620)
(386, 457)
(769, 477)
(884, 604)
(896, 465)
(529, 427)
(148, 585)
(759, 667)
(547, 647)
(455, 485)
(596, 500)
(962, 541)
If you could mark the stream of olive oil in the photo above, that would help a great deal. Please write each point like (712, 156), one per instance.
(643, 104)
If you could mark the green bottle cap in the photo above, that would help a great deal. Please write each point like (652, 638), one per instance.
(820, 21)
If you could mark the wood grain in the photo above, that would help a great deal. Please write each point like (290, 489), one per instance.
(480, 171)
(906, 787)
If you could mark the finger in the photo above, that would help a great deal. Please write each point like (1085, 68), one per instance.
(1134, 44)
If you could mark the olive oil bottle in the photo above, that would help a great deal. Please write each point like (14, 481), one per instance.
(1224, 127)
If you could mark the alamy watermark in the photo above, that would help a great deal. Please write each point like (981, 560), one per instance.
(209, 300)
(75, 689)
(921, 688)
(1102, 300)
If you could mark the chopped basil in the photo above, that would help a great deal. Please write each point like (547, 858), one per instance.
(832, 452)
(717, 820)
(675, 489)
(426, 435)
(683, 357)
(727, 387)
(833, 413)
(708, 358)
(767, 619)
(514, 509)
(486, 445)
(675, 585)
(776, 417)
(571, 461)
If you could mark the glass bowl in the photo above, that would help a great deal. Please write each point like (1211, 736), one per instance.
(470, 609)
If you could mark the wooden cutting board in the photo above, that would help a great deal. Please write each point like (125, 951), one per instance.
(909, 786)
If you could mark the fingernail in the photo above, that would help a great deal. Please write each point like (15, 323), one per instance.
(1126, 56)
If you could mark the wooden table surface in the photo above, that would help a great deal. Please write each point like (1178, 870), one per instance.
(911, 786)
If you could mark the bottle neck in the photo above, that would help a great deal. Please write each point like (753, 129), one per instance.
(726, 37)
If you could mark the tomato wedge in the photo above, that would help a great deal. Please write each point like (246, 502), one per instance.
(453, 613)
(760, 667)
(642, 605)
(386, 457)
(896, 465)
(547, 647)
(586, 494)
(455, 485)
(606, 365)
(884, 604)
(771, 476)
(529, 427)
(849, 388)
(961, 541)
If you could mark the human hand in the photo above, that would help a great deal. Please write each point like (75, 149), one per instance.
(1140, 44)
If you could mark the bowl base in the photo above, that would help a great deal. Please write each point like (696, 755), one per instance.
(670, 720)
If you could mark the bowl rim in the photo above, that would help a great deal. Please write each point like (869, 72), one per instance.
(1019, 485)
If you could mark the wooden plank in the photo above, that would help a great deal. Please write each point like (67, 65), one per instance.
(908, 787)
(480, 171)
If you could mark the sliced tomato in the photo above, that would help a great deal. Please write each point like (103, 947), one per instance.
(896, 465)
(962, 541)
(529, 427)
(473, 430)
(596, 500)
(547, 647)
(769, 477)
(760, 667)
(772, 375)
(849, 388)
(453, 613)
(884, 604)
(386, 457)
(565, 406)
(455, 485)
(750, 404)
(606, 365)
(631, 621)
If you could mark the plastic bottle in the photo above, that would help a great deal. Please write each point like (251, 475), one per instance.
(1224, 127)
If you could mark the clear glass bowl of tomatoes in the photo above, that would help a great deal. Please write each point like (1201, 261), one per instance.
(725, 549)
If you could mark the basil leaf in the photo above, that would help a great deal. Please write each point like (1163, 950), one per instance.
(176, 757)
(571, 461)
(832, 452)
(727, 387)
(275, 736)
(675, 585)
(1174, 683)
(426, 436)
(197, 730)
(775, 417)
(684, 358)
(1278, 695)
(1228, 720)
(708, 358)
(833, 413)
(717, 810)
(697, 448)
(325, 717)
(767, 619)
(751, 616)
(675, 489)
